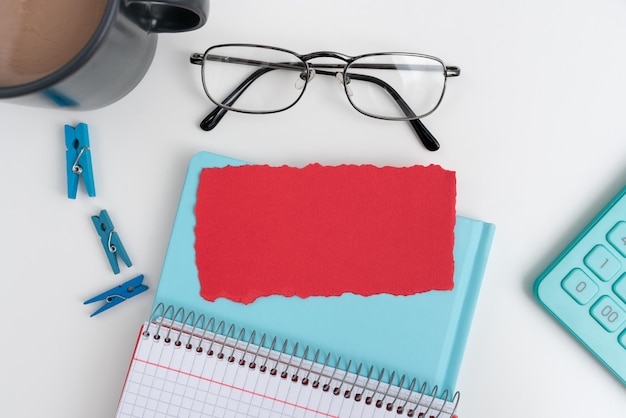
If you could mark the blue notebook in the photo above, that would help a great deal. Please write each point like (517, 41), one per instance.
(422, 335)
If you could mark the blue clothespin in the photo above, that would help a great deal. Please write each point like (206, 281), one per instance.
(119, 294)
(110, 240)
(78, 160)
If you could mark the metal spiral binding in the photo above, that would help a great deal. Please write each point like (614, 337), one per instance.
(192, 327)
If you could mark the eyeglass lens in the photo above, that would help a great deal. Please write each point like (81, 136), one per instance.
(395, 86)
(253, 79)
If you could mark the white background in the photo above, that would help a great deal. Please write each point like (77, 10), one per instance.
(534, 128)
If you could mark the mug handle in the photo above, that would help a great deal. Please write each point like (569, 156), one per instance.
(168, 15)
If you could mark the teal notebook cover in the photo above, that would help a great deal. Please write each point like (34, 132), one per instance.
(422, 336)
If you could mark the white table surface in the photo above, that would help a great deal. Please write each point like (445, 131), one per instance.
(534, 128)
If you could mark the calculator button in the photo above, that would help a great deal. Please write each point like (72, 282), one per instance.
(617, 237)
(620, 287)
(622, 339)
(608, 314)
(602, 262)
(579, 286)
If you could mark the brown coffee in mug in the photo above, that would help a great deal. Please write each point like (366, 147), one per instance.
(37, 37)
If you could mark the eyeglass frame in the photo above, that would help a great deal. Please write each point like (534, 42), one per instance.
(213, 118)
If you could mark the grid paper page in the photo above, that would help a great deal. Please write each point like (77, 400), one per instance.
(175, 380)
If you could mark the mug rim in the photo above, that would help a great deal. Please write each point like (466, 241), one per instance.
(73, 64)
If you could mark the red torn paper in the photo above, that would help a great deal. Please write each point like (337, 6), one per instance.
(324, 231)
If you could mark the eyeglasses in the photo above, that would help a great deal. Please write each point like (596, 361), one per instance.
(261, 79)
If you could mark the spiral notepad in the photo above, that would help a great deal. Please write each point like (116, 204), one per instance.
(185, 365)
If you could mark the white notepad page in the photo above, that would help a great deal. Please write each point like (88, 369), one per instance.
(173, 375)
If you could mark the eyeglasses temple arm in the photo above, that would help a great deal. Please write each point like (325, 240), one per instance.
(427, 139)
(213, 118)
(424, 135)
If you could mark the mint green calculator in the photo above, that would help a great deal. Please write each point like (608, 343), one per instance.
(585, 287)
